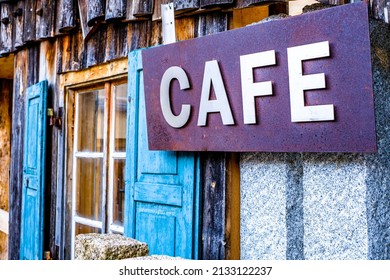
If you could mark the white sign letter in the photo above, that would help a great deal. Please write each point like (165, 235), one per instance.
(178, 73)
(250, 89)
(299, 83)
(212, 74)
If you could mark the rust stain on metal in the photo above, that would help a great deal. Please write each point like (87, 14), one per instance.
(348, 87)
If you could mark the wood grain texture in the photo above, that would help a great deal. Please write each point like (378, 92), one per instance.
(115, 9)
(65, 16)
(45, 15)
(6, 26)
(18, 16)
(95, 11)
(29, 12)
(15, 184)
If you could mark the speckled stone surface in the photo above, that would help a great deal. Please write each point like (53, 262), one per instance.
(263, 206)
(323, 205)
(335, 215)
(95, 246)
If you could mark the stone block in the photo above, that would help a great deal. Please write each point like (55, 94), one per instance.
(93, 246)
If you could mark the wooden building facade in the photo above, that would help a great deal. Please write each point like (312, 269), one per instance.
(69, 129)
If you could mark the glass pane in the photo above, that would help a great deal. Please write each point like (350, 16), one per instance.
(81, 229)
(91, 121)
(120, 92)
(89, 188)
(119, 191)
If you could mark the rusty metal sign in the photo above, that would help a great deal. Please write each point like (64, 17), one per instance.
(300, 84)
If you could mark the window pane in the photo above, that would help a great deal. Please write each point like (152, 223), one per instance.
(120, 93)
(91, 121)
(119, 191)
(89, 188)
(81, 229)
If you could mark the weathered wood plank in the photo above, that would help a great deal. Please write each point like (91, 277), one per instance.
(140, 34)
(212, 3)
(29, 21)
(117, 44)
(143, 7)
(211, 23)
(221, 205)
(379, 9)
(70, 49)
(94, 48)
(87, 30)
(95, 11)
(5, 28)
(45, 15)
(15, 184)
(185, 28)
(66, 16)
(18, 16)
(186, 5)
(116, 9)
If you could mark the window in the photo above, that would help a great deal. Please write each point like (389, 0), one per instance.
(97, 158)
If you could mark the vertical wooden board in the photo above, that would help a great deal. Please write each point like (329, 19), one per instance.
(18, 16)
(212, 3)
(185, 28)
(211, 23)
(245, 16)
(116, 9)
(94, 49)
(140, 34)
(65, 16)
(187, 5)
(15, 184)
(45, 15)
(214, 207)
(143, 7)
(29, 21)
(87, 30)
(5, 28)
(156, 38)
(117, 44)
(95, 11)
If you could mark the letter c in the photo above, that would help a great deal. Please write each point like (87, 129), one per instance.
(174, 72)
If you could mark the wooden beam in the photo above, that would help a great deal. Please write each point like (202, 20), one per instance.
(4, 217)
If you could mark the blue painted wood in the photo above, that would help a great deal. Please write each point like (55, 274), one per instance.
(32, 219)
(162, 188)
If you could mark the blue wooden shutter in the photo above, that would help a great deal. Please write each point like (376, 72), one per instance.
(32, 223)
(162, 187)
